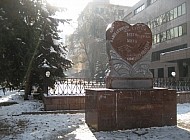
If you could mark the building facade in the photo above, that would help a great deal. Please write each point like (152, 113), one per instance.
(92, 24)
(169, 21)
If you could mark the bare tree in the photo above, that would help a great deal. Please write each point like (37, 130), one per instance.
(90, 37)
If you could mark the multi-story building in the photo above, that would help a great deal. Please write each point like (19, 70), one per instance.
(104, 8)
(92, 24)
(169, 21)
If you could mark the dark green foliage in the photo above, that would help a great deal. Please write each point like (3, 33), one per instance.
(28, 41)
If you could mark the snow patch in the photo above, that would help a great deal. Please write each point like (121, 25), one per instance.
(72, 126)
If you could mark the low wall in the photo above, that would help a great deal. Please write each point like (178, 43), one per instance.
(52, 103)
(183, 97)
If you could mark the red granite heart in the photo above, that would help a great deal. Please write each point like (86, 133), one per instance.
(130, 42)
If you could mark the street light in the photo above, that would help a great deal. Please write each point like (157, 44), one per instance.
(173, 74)
(46, 81)
(173, 83)
(47, 74)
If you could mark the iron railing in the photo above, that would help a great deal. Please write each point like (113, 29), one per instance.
(181, 84)
(77, 86)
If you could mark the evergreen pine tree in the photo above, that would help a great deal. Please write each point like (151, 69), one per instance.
(28, 38)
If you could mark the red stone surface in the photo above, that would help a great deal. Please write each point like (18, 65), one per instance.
(128, 109)
(131, 42)
(183, 97)
(52, 103)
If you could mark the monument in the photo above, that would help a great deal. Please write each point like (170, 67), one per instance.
(128, 49)
(129, 99)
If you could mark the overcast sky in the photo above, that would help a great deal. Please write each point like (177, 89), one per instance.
(76, 6)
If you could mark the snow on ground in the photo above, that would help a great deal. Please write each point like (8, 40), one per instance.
(18, 126)
(183, 115)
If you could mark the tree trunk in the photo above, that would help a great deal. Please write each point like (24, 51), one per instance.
(29, 71)
(27, 91)
(27, 86)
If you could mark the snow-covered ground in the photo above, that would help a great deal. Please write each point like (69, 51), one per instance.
(14, 124)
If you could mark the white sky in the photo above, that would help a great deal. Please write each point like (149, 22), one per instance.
(76, 6)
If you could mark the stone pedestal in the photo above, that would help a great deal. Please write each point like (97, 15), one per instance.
(128, 83)
(117, 109)
(129, 100)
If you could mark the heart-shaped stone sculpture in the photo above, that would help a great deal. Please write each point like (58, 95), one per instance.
(131, 42)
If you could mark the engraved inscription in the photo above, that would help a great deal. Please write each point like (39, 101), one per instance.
(130, 42)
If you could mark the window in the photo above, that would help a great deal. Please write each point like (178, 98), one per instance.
(172, 33)
(176, 32)
(158, 38)
(155, 40)
(180, 30)
(160, 72)
(158, 21)
(153, 24)
(168, 16)
(179, 10)
(185, 69)
(171, 14)
(183, 9)
(184, 28)
(139, 9)
(163, 19)
(175, 12)
(163, 36)
(155, 56)
(168, 34)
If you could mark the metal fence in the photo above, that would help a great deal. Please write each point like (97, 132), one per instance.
(181, 84)
(77, 86)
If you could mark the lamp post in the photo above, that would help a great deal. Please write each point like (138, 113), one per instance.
(47, 75)
(174, 83)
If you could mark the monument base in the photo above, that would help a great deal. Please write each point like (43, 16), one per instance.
(128, 83)
(118, 109)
